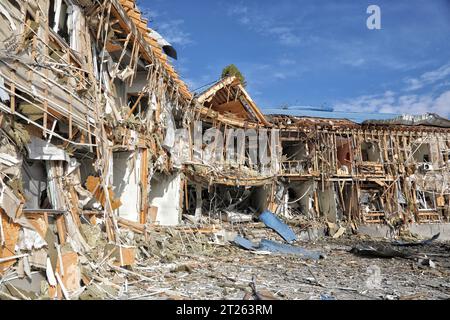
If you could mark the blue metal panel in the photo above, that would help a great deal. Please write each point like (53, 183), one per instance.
(279, 226)
(245, 243)
(272, 246)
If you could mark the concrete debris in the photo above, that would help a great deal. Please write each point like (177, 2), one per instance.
(236, 217)
(380, 252)
(417, 243)
(339, 233)
(117, 182)
(427, 262)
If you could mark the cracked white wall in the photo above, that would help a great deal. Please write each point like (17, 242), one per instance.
(165, 195)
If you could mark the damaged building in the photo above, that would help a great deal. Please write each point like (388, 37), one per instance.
(379, 171)
(98, 129)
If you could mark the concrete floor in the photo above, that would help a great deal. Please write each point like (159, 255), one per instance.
(226, 271)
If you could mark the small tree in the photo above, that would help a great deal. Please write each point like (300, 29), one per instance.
(232, 70)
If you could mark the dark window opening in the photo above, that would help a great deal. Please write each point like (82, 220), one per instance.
(426, 200)
(15, 4)
(140, 105)
(57, 18)
(35, 186)
(370, 152)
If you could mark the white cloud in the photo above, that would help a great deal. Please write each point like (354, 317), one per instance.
(265, 24)
(391, 102)
(437, 100)
(150, 14)
(172, 31)
(428, 78)
(280, 75)
(286, 62)
(237, 10)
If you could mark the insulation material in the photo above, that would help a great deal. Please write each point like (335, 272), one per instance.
(327, 203)
(181, 152)
(5, 12)
(4, 96)
(8, 161)
(30, 240)
(39, 149)
(169, 123)
(8, 201)
(38, 258)
(236, 217)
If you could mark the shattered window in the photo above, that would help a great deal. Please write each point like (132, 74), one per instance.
(59, 12)
(421, 152)
(35, 185)
(370, 201)
(370, 152)
(15, 4)
(425, 200)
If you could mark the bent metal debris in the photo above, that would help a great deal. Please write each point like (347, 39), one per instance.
(106, 191)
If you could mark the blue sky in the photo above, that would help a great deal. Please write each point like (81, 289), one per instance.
(316, 53)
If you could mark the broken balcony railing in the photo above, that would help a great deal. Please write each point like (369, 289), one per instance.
(294, 167)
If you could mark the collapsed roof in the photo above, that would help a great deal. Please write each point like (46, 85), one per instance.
(229, 97)
(148, 38)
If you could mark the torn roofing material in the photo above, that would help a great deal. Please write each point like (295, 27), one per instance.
(272, 246)
(165, 45)
(279, 226)
(133, 20)
(244, 243)
(276, 247)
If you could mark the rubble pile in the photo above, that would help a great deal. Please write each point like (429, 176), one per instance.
(117, 182)
(199, 261)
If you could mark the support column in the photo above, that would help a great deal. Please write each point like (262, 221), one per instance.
(198, 202)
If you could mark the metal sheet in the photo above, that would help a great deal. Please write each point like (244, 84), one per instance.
(273, 222)
(272, 246)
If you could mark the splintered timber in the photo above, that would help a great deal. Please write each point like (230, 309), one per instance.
(108, 162)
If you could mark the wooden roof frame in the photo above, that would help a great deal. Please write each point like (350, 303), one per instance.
(211, 92)
(131, 21)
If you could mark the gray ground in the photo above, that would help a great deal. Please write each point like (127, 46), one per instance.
(193, 267)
